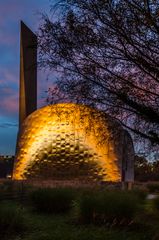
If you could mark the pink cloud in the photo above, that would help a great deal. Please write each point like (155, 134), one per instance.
(8, 76)
(9, 104)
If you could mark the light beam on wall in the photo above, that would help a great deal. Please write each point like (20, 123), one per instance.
(60, 141)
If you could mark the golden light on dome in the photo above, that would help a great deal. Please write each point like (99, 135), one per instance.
(68, 141)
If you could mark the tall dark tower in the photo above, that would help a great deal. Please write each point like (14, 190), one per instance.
(28, 73)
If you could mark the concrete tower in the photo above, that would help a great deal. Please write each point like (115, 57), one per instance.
(28, 73)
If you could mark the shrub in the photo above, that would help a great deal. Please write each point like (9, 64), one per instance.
(12, 220)
(153, 187)
(8, 185)
(141, 194)
(107, 207)
(156, 203)
(52, 200)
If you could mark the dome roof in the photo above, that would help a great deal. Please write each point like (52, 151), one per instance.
(68, 140)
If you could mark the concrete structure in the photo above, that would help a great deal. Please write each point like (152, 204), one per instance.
(28, 73)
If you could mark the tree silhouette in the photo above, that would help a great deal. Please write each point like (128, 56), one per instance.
(106, 54)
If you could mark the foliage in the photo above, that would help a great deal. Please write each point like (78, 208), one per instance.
(12, 221)
(146, 170)
(6, 166)
(106, 54)
(141, 194)
(107, 207)
(52, 200)
(57, 227)
(7, 185)
(156, 203)
(53, 226)
(153, 187)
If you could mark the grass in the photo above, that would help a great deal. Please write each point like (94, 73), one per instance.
(60, 227)
(12, 220)
(156, 203)
(37, 225)
(52, 200)
(153, 187)
(108, 207)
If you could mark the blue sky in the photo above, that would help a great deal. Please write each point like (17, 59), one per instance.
(11, 12)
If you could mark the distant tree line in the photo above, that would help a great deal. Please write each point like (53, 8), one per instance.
(146, 170)
(6, 166)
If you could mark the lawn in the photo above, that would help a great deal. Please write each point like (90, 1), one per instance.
(44, 227)
(68, 214)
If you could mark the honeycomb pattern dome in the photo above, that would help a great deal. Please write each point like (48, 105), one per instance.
(68, 141)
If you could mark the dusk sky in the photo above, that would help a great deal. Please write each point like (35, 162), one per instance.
(11, 12)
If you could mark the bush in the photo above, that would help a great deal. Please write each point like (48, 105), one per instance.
(107, 207)
(153, 187)
(7, 185)
(52, 200)
(141, 194)
(12, 220)
(156, 203)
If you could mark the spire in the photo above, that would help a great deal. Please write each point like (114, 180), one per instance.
(28, 73)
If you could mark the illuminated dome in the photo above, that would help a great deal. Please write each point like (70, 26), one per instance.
(70, 141)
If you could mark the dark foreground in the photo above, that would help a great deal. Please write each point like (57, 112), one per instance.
(78, 214)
